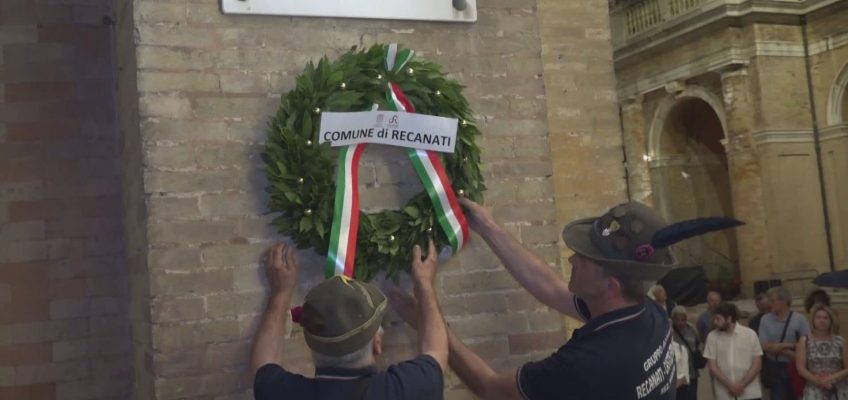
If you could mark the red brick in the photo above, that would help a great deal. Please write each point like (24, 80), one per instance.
(528, 342)
(38, 91)
(28, 169)
(42, 130)
(30, 302)
(89, 39)
(67, 289)
(23, 272)
(32, 12)
(24, 354)
(37, 54)
(36, 210)
(33, 392)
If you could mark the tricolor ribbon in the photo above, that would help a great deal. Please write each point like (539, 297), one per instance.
(428, 165)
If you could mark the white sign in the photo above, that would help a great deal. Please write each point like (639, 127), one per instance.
(417, 131)
(419, 10)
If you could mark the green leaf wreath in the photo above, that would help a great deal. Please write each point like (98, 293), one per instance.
(301, 171)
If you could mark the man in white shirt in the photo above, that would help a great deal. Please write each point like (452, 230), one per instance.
(734, 356)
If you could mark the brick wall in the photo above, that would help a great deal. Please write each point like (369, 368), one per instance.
(198, 89)
(63, 327)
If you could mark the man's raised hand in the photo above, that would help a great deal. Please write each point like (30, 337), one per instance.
(424, 271)
(479, 217)
(281, 268)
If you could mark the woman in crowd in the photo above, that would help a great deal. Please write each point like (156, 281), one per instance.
(822, 359)
(687, 337)
(817, 296)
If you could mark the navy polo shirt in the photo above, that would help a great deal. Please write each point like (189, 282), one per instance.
(419, 378)
(623, 354)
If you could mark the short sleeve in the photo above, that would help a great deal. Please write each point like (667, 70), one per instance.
(269, 382)
(804, 329)
(764, 333)
(419, 378)
(710, 349)
(755, 345)
(550, 378)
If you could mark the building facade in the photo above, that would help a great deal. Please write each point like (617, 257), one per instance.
(737, 107)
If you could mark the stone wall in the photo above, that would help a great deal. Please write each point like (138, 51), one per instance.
(206, 85)
(64, 332)
(763, 99)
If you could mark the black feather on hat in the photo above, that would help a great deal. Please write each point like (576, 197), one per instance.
(632, 239)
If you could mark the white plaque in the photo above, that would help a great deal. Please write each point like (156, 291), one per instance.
(417, 131)
(419, 10)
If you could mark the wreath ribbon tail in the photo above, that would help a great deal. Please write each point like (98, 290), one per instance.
(342, 250)
(448, 212)
(429, 166)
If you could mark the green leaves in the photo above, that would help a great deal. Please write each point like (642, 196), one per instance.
(301, 176)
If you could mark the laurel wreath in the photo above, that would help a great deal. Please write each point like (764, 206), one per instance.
(300, 171)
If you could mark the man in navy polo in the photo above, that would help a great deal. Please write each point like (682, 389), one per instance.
(341, 321)
(624, 349)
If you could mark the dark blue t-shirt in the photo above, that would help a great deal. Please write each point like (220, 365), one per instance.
(621, 355)
(419, 378)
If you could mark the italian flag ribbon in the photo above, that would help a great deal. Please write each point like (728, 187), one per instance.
(342, 251)
(428, 165)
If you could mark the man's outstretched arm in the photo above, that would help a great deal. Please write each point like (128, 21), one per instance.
(530, 270)
(479, 376)
(281, 269)
(432, 337)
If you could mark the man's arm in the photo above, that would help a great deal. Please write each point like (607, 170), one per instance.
(532, 272)
(718, 375)
(779, 349)
(281, 269)
(432, 337)
(772, 347)
(753, 372)
(479, 376)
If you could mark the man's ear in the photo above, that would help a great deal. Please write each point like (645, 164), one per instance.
(377, 348)
(613, 284)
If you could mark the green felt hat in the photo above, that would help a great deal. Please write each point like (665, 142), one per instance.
(341, 315)
(632, 239)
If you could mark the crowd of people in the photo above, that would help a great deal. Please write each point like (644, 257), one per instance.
(783, 354)
(617, 258)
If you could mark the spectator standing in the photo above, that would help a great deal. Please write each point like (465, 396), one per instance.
(734, 355)
(822, 359)
(780, 331)
(660, 296)
(687, 337)
(817, 296)
(705, 320)
(763, 307)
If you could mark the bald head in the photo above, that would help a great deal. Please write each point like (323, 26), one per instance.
(713, 300)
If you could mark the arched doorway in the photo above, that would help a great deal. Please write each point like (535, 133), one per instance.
(689, 177)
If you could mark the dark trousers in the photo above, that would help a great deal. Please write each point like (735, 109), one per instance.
(781, 386)
(688, 392)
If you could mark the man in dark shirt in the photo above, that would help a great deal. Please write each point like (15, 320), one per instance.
(763, 307)
(624, 349)
(341, 321)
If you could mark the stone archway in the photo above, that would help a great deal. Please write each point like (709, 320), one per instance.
(837, 104)
(689, 174)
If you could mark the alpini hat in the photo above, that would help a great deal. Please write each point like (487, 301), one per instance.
(341, 315)
(632, 239)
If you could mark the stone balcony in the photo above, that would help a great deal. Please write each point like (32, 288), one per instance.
(638, 25)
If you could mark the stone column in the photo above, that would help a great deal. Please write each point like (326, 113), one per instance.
(636, 148)
(745, 178)
(582, 112)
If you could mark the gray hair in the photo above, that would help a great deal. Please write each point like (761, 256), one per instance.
(781, 293)
(358, 358)
(678, 310)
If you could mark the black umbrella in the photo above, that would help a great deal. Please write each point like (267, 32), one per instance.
(836, 279)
